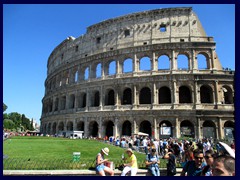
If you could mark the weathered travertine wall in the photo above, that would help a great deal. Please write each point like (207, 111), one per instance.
(98, 83)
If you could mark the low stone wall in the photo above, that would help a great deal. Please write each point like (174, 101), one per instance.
(141, 172)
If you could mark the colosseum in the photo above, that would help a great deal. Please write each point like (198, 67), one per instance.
(155, 72)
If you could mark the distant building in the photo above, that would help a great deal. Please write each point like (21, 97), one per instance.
(183, 92)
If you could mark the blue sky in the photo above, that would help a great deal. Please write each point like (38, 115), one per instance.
(31, 32)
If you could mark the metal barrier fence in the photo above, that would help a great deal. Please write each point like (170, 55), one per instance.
(58, 164)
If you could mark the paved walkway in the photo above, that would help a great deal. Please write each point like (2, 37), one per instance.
(141, 172)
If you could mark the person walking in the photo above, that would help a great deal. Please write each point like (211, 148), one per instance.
(131, 164)
(152, 161)
(100, 167)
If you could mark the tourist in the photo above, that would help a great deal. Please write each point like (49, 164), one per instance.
(100, 167)
(152, 161)
(194, 167)
(207, 170)
(223, 165)
(171, 165)
(131, 164)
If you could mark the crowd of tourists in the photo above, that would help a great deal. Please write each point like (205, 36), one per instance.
(197, 157)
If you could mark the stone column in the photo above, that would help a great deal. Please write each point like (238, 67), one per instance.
(101, 98)
(216, 98)
(87, 99)
(53, 105)
(135, 126)
(174, 61)
(175, 93)
(196, 93)
(117, 101)
(155, 128)
(199, 135)
(86, 129)
(67, 102)
(118, 68)
(154, 94)
(75, 100)
(116, 128)
(103, 70)
(74, 125)
(135, 64)
(154, 64)
(212, 60)
(91, 72)
(100, 128)
(135, 96)
(177, 128)
(220, 128)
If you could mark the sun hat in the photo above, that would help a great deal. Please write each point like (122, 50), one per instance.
(105, 151)
(129, 150)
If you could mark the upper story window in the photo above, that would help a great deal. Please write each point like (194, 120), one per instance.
(163, 28)
(127, 32)
(98, 40)
(76, 49)
(62, 56)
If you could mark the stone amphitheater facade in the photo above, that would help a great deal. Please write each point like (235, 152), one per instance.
(126, 75)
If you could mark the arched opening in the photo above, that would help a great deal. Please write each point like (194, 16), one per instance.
(82, 99)
(61, 126)
(229, 130)
(109, 128)
(227, 95)
(182, 62)
(209, 129)
(206, 94)
(93, 129)
(127, 96)
(187, 129)
(127, 128)
(76, 77)
(110, 98)
(70, 126)
(184, 95)
(127, 65)
(164, 95)
(72, 101)
(96, 99)
(145, 96)
(80, 126)
(99, 70)
(63, 103)
(163, 63)
(146, 127)
(202, 62)
(145, 64)
(86, 74)
(112, 68)
(165, 129)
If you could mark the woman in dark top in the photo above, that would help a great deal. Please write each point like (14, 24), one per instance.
(171, 165)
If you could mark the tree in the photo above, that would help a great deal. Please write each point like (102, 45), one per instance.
(8, 124)
(4, 107)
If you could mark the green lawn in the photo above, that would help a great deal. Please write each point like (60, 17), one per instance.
(53, 153)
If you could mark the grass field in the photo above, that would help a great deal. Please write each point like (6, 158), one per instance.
(35, 150)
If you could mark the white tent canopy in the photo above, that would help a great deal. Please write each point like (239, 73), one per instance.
(141, 134)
